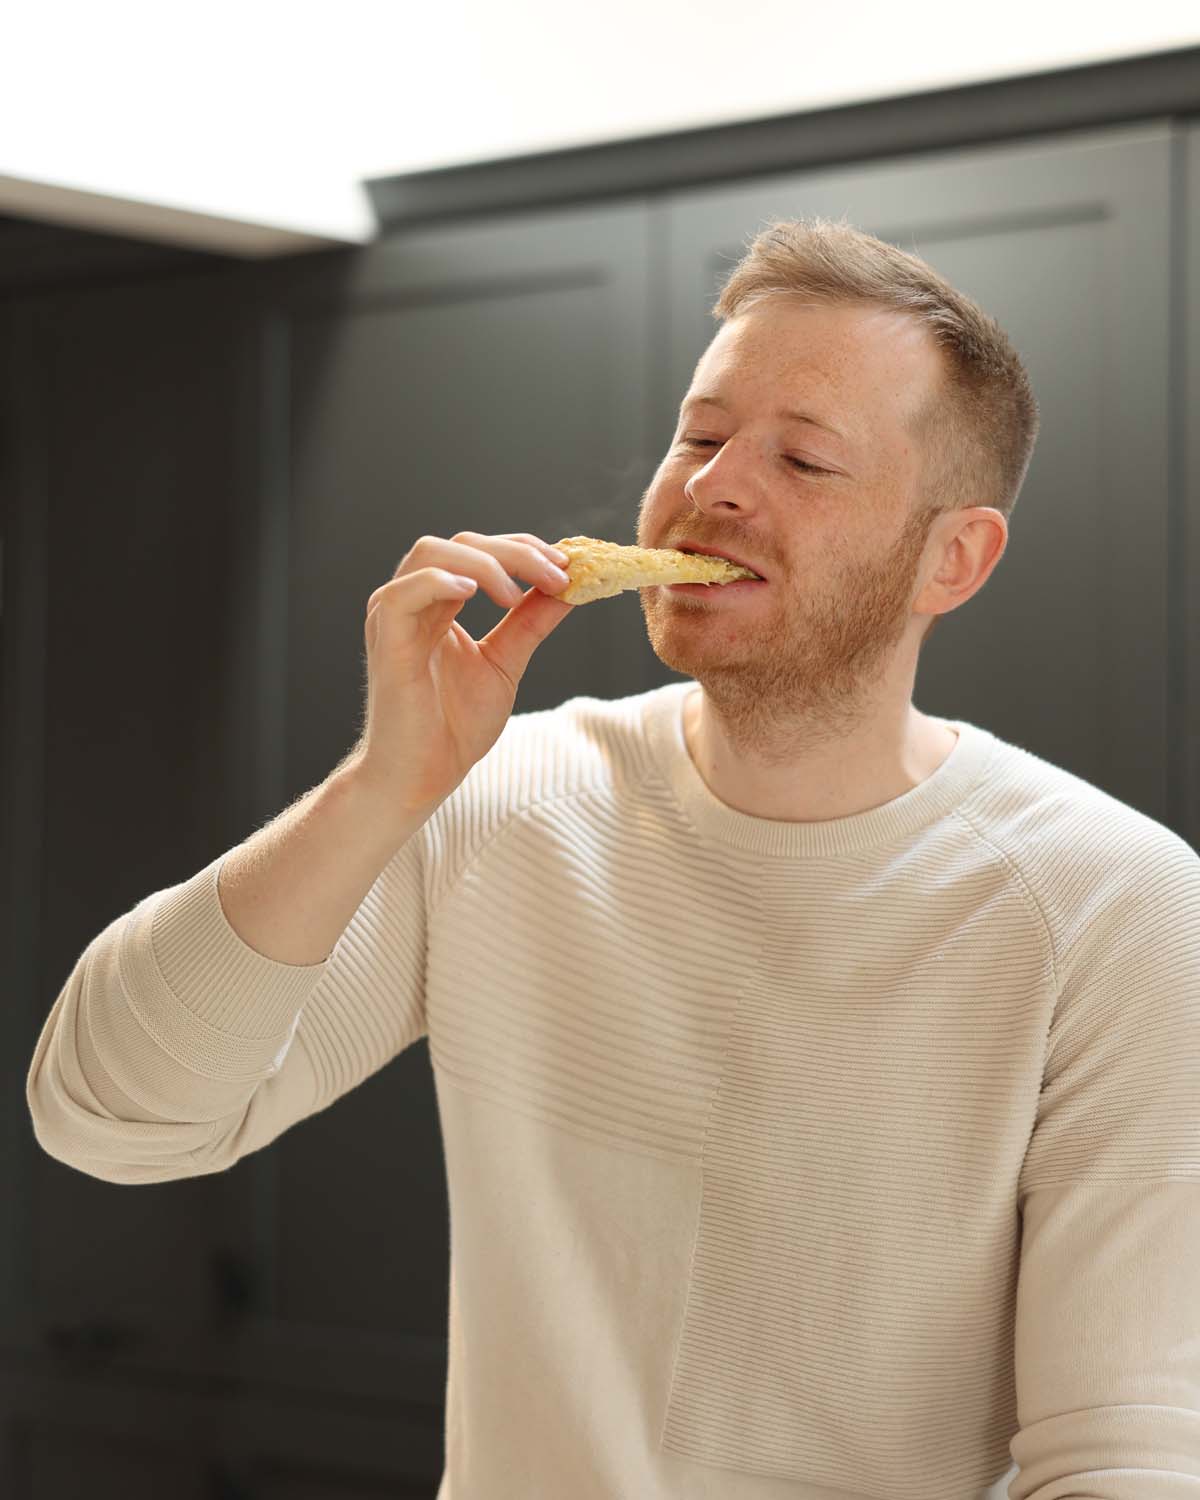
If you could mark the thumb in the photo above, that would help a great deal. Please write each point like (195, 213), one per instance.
(510, 644)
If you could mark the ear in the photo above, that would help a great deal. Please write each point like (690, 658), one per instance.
(968, 546)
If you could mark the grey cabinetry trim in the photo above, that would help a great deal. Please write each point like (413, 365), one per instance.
(1184, 580)
(1027, 107)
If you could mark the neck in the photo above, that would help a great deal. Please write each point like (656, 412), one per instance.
(794, 770)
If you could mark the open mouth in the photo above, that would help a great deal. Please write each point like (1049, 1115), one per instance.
(713, 590)
(696, 552)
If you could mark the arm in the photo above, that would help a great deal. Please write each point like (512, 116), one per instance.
(290, 891)
(169, 1050)
(1107, 1334)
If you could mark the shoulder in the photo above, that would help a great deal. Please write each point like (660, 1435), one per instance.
(1093, 863)
(585, 749)
(582, 743)
(1038, 811)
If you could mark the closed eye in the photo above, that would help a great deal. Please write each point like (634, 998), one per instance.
(799, 462)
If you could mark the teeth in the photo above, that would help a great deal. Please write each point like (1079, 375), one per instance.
(691, 552)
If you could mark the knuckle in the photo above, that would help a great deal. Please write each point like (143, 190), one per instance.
(418, 549)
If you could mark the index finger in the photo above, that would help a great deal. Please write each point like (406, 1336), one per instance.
(556, 556)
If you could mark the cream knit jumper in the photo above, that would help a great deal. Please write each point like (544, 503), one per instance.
(858, 1158)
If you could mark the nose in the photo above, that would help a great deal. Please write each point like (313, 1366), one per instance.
(715, 494)
(721, 485)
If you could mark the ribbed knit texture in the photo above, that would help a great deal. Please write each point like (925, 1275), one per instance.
(810, 1160)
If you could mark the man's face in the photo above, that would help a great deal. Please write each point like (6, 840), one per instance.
(840, 548)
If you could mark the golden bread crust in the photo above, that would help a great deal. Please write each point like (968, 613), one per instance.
(598, 570)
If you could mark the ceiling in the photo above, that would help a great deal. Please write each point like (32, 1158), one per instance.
(249, 129)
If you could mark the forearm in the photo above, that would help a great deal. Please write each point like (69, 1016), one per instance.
(290, 891)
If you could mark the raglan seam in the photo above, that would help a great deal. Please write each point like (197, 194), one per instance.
(1025, 888)
(517, 816)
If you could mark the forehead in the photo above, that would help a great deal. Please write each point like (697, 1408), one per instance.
(860, 367)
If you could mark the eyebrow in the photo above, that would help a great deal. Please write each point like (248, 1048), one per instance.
(789, 413)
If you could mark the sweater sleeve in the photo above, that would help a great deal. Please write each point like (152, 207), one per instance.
(1107, 1338)
(174, 1049)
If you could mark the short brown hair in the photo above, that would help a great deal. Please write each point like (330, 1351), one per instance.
(978, 427)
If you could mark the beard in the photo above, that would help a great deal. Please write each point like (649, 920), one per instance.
(794, 669)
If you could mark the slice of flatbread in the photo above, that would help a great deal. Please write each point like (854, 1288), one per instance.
(598, 570)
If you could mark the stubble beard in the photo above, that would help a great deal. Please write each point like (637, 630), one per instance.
(801, 673)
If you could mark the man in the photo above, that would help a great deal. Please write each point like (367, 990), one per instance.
(806, 710)
(816, 1078)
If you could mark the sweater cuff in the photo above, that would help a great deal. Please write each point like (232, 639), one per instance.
(206, 997)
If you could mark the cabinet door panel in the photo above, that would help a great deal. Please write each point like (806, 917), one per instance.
(1065, 242)
(122, 463)
(489, 378)
(65, 1462)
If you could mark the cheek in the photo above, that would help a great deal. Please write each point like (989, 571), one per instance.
(661, 499)
(649, 503)
(652, 517)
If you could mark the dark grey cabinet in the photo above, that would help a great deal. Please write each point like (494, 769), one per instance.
(493, 377)
(1067, 243)
(205, 477)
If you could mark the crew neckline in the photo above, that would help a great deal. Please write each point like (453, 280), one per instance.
(939, 794)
